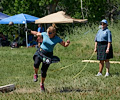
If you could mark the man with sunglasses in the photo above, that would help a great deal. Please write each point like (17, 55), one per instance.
(103, 47)
(45, 53)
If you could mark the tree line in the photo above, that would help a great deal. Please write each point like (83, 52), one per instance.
(93, 10)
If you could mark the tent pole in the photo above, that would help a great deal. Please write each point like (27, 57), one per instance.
(26, 36)
(19, 34)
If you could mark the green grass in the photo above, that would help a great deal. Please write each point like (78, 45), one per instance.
(16, 67)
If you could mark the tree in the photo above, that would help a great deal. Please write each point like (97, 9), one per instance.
(93, 10)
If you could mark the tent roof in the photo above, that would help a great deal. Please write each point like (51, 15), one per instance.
(59, 17)
(2, 15)
(19, 19)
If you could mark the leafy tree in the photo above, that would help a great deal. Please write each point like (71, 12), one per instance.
(93, 10)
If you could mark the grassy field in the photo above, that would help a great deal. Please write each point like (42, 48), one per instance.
(16, 67)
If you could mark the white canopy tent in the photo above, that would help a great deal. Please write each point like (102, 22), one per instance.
(59, 17)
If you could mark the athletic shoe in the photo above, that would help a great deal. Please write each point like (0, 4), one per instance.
(107, 74)
(99, 74)
(35, 78)
(42, 87)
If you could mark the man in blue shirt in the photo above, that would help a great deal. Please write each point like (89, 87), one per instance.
(40, 28)
(103, 47)
(40, 39)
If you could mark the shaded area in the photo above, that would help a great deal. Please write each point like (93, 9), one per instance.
(65, 90)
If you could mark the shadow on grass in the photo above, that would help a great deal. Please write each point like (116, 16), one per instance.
(65, 90)
(115, 74)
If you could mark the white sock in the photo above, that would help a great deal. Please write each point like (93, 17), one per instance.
(107, 73)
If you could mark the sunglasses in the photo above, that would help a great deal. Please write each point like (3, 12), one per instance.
(103, 24)
(49, 32)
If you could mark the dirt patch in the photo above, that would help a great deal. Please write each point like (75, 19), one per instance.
(24, 90)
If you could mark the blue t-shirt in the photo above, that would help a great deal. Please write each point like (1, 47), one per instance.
(49, 43)
(103, 35)
(40, 29)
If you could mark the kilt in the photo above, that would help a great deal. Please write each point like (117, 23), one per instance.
(101, 51)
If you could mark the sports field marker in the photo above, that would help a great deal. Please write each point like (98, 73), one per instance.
(96, 61)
